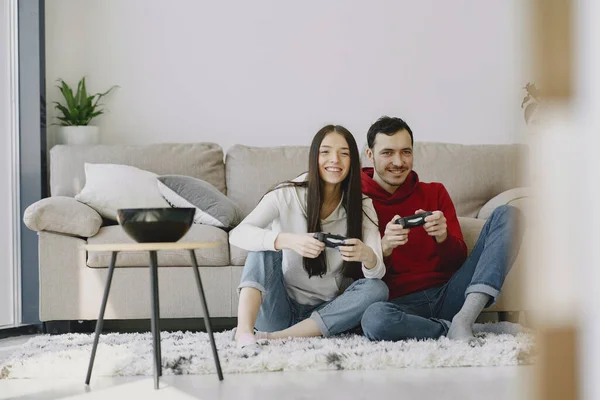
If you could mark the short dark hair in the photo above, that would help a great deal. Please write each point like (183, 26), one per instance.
(388, 126)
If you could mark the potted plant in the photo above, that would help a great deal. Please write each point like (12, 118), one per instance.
(77, 112)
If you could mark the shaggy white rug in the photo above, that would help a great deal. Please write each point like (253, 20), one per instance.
(121, 354)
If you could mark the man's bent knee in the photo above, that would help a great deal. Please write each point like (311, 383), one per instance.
(507, 212)
(374, 322)
(513, 218)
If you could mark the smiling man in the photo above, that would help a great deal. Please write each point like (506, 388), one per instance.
(430, 278)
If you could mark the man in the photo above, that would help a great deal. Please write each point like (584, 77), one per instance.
(430, 278)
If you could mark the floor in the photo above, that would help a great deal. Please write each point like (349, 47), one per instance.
(494, 383)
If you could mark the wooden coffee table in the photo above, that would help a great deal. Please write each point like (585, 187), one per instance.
(152, 249)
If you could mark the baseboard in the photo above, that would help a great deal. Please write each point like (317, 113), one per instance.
(20, 331)
(186, 324)
(139, 325)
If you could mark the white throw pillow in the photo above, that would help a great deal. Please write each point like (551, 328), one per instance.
(109, 187)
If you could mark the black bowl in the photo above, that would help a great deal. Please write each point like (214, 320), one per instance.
(156, 224)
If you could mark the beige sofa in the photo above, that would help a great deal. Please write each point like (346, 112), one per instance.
(72, 280)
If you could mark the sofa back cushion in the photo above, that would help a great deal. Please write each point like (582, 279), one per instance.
(472, 174)
(252, 171)
(199, 160)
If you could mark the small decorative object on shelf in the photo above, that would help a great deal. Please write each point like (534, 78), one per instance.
(531, 103)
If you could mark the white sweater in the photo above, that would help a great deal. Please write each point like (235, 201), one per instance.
(284, 210)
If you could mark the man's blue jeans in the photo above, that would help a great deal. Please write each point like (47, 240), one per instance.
(263, 271)
(426, 314)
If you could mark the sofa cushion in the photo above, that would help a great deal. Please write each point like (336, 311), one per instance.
(238, 255)
(199, 160)
(252, 171)
(62, 215)
(471, 229)
(472, 174)
(214, 257)
(212, 207)
(109, 187)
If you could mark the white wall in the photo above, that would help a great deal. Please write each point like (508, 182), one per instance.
(267, 72)
(587, 106)
(6, 266)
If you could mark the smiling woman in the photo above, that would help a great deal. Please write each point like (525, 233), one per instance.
(292, 283)
(334, 158)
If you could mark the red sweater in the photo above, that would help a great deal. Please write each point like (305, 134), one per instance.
(421, 263)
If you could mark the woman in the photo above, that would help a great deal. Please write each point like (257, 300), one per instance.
(292, 285)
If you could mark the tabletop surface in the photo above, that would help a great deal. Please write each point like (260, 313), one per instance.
(151, 246)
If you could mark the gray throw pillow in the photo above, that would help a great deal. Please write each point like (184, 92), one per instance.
(212, 206)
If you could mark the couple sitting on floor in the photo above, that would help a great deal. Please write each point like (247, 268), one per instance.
(395, 283)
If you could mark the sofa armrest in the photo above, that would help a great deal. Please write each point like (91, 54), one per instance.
(517, 197)
(62, 215)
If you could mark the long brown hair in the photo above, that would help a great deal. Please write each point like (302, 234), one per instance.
(352, 201)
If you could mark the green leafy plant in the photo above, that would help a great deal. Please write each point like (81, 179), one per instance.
(79, 108)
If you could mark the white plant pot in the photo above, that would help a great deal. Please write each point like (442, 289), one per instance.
(84, 134)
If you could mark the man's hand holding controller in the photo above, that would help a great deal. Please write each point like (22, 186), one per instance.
(395, 235)
(396, 231)
(435, 225)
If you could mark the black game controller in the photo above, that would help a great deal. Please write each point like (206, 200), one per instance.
(413, 220)
(330, 239)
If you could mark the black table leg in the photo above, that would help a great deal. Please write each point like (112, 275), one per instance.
(154, 316)
(206, 316)
(100, 321)
(157, 319)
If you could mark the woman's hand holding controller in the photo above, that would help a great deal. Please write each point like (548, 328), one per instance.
(304, 244)
(356, 250)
